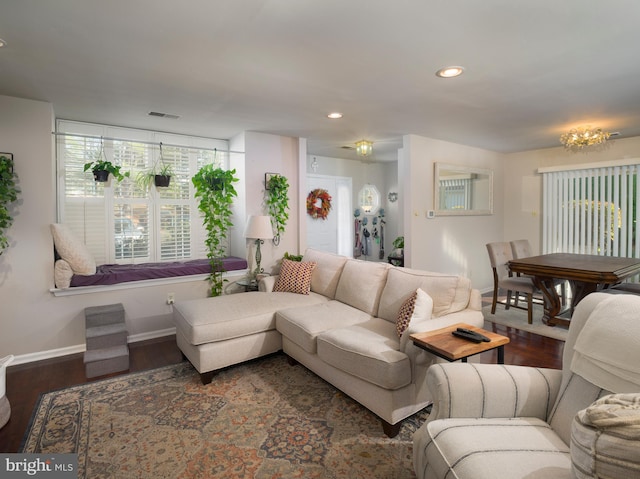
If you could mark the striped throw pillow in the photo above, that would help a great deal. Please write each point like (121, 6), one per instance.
(295, 277)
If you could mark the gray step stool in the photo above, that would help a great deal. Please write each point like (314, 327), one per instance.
(107, 350)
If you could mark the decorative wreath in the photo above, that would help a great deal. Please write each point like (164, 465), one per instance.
(313, 209)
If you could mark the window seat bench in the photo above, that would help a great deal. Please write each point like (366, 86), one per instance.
(109, 274)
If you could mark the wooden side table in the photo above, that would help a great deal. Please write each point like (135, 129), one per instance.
(447, 346)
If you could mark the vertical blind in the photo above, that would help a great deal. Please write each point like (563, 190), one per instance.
(124, 222)
(455, 194)
(591, 211)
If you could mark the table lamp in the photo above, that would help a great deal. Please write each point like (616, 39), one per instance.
(260, 229)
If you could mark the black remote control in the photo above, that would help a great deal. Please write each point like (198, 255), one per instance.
(470, 335)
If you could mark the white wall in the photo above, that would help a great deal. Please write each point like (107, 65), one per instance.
(447, 244)
(266, 153)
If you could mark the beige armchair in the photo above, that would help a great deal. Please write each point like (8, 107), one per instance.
(5, 408)
(494, 421)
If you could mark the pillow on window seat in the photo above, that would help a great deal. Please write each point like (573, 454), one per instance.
(72, 250)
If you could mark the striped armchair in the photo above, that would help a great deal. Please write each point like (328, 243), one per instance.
(494, 421)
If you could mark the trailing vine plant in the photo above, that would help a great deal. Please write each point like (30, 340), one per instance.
(277, 202)
(214, 187)
(8, 194)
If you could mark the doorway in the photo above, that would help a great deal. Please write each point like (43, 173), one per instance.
(334, 233)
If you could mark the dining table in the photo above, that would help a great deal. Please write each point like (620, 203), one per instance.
(585, 274)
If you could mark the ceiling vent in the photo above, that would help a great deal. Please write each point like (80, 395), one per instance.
(163, 115)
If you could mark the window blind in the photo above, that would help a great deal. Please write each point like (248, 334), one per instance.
(592, 211)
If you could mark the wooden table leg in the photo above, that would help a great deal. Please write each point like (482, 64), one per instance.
(552, 303)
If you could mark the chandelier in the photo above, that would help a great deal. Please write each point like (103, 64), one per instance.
(582, 137)
(364, 147)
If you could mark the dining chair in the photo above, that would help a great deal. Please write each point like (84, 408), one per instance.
(499, 256)
(522, 249)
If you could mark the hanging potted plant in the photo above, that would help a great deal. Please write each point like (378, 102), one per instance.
(103, 168)
(8, 194)
(214, 188)
(277, 202)
(160, 177)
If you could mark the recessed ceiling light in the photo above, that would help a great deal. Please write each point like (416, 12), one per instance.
(335, 115)
(2, 43)
(449, 72)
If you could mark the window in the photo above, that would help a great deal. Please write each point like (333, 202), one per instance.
(592, 210)
(124, 222)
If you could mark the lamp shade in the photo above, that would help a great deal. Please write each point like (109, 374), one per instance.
(259, 227)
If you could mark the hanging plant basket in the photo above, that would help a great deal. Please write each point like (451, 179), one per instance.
(217, 184)
(101, 176)
(162, 180)
(319, 204)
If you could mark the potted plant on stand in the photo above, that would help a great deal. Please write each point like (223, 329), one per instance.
(277, 202)
(214, 188)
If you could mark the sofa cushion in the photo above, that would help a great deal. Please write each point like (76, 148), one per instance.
(417, 307)
(368, 351)
(72, 250)
(294, 277)
(469, 448)
(361, 284)
(302, 325)
(224, 317)
(326, 275)
(450, 293)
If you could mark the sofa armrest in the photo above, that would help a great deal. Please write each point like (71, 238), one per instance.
(267, 283)
(491, 390)
(62, 274)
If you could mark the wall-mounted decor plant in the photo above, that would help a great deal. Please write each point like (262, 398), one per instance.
(277, 202)
(8, 194)
(214, 188)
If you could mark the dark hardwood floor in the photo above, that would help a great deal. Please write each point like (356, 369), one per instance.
(26, 382)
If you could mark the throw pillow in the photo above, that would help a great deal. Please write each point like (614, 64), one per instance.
(415, 307)
(295, 277)
(72, 250)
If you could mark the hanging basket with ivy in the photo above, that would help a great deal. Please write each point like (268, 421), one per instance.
(319, 204)
(215, 191)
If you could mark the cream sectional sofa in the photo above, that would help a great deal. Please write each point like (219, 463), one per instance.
(344, 330)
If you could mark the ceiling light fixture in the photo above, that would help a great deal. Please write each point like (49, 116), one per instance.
(2, 43)
(449, 72)
(364, 147)
(336, 115)
(577, 139)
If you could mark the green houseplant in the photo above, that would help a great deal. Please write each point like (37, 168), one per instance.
(8, 194)
(102, 168)
(277, 202)
(161, 177)
(214, 188)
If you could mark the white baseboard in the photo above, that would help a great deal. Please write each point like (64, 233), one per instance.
(81, 348)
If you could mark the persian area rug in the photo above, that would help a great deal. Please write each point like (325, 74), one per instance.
(261, 419)
(517, 318)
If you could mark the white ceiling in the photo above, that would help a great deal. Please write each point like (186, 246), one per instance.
(533, 69)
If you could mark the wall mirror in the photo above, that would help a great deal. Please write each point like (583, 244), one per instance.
(462, 190)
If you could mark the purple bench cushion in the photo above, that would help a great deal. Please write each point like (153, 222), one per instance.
(122, 273)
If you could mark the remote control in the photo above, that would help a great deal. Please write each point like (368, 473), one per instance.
(470, 335)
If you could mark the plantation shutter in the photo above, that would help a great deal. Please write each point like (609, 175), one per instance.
(124, 222)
